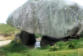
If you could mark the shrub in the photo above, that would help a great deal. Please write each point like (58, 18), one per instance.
(72, 44)
(14, 47)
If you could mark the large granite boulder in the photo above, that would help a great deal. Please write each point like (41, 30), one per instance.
(55, 18)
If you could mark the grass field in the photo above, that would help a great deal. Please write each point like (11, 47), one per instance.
(17, 49)
(7, 32)
(69, 48)
(39, 52)
(7, 29)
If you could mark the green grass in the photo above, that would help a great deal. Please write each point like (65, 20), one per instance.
(38, 52)
(7, 29)
(73, 44)
(13, 49)
(17, 49)
(69, 48)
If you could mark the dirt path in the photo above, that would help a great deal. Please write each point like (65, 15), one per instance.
(4, 40)
(3, 43)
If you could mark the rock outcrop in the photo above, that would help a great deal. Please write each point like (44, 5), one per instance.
(53, 18)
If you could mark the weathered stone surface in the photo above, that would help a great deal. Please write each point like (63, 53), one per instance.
(53, 18)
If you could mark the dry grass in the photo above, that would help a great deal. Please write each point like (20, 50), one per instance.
(3, 38)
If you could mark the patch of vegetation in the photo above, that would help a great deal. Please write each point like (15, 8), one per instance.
(38, 35)
(73, 44)
(69, 48)
(38, 52)
(60, 49)
(7, 29)
(14, 47)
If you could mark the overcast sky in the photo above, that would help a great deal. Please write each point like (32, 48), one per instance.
(8, 6)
